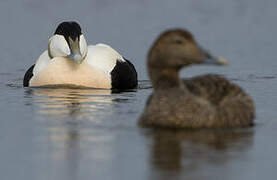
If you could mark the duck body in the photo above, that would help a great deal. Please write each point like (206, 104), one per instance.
(99, 66)
(206, 101)
(103, 67)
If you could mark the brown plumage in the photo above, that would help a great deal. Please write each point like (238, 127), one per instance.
(207, 101)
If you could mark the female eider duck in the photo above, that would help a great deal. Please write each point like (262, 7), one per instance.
(207, 101)
(70, 62)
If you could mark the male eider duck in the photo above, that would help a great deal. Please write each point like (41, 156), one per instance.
(70, 62)
(207, 101)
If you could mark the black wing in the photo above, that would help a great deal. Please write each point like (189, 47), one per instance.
(124, 75)
(28, 75)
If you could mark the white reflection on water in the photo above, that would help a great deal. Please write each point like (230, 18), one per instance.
(71, 102)
(73, 117)
(73, 110)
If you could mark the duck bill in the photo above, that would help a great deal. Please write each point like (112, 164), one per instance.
(75, 53)
(214, 60)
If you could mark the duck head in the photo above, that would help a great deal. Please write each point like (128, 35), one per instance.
(68, 41)
(177, 48)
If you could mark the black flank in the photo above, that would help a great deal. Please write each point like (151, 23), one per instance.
(28, 75)
(124, 75)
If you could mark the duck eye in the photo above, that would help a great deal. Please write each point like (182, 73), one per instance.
(178, 41)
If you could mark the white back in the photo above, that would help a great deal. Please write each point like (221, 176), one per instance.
(41, 63)
(100, 56)
(103, 57)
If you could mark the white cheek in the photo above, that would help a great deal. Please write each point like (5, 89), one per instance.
(58, 46)
(83, 46)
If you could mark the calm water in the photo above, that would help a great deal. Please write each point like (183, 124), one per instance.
(71, 134)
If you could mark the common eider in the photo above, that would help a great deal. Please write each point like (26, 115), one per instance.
(206, 101)
(70, 62)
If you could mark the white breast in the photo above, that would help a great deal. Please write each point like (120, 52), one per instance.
(103, 57)
(62, 71)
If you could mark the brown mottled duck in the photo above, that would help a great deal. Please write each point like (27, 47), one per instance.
(206, 101)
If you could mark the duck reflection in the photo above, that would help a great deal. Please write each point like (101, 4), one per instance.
(67, 155)
(69, 135)
(182, 153)
(76, 103)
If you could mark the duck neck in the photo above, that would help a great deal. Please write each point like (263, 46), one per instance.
(165, 78)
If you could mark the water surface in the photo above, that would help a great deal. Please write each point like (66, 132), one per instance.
(71, 134)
